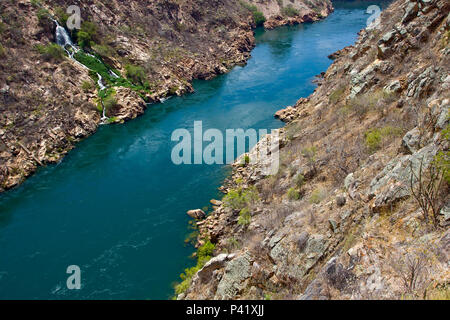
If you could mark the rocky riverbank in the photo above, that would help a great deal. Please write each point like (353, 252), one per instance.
(360, 206)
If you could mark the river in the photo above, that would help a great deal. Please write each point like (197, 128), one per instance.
(116, 205)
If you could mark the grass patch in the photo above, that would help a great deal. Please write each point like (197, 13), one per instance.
(374, 137)
(318, 195)
(336, 95)
(293, 194)
(258, 16)
(289, 11)
(238, 199)
(244, 217)
(87, 86)
(51, 52)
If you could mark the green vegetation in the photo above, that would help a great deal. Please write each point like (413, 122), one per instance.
(244, 217)
(110, 102)
(51, 51)
(337, 94)
(135, 74)
(240, 198)
(299, 180)
(442, 159)
(61, 16)
(289, 11)
(87, 86)
(362, 104)
(86, 36)
(258, 16)
(204, 254)
(374, 137)
(42, 15)
(293, 194)
(2, 51)
(318, 195)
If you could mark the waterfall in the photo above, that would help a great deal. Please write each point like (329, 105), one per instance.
(113, 74)
(102, 87)
(100, 82)
(63, 39)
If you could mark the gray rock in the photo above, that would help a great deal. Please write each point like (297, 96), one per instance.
(349, 180)
(411, 141)
(410, 12)
(393, 183)
(445, 211)
(394, 87)
(236, 272)
(205, 274)
(333, 225)
(302, 240)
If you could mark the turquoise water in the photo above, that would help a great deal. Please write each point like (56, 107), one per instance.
(116, 206)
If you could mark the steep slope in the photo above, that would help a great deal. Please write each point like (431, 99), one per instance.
(144, 51)
(360, 206)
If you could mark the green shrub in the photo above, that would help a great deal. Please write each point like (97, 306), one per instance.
(374, 137)
(204, 254)
(289, 11)
(258, 16)
(42, 15)
(239, 199)
(87, 86)
(51, 52)
(61, 15)
(442, 159)
(2, 51)
(87, 35)
(110, 102)
(84, 39)
(245, 161)
(135, 74)
(244, 217)
(299, 180)
(293, 194)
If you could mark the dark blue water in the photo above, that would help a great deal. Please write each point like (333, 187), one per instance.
(116, 206)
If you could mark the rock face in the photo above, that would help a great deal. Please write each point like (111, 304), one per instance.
(338, 219)
(129, 105)
(291, 12)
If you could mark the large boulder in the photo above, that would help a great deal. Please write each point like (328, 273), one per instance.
(197, 214)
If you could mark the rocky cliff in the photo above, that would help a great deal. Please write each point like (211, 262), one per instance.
(360, 206)
(142, 51)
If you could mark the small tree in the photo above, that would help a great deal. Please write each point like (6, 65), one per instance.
(425, 187)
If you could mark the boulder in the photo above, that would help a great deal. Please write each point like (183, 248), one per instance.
(197, 214)
(341, 200)
(411, 141)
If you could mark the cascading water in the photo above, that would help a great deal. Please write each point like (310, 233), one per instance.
(63, 39)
